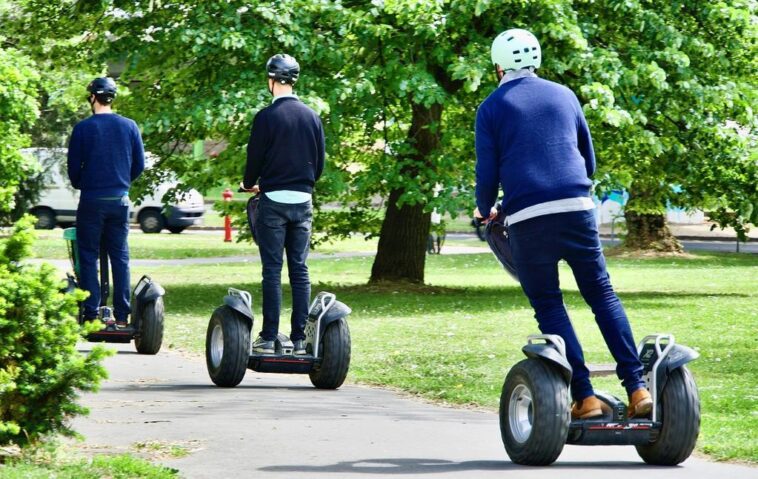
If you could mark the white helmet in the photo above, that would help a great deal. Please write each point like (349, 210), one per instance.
(515, 49)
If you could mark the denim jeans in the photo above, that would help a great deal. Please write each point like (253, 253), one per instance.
(284, 227)
(104, 222)
(538, 244)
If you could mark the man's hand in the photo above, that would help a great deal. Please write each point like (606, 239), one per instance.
(478, 215)
(254, 190)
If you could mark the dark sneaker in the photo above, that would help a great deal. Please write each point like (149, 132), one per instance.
(261, 346)
(299, 348)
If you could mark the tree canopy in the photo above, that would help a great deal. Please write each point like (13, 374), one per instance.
(667, 88)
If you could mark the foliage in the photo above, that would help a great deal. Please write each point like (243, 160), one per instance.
(41, 371)
(18, 110)
(668, 91)
(122, 466)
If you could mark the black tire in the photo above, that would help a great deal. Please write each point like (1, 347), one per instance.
(151, 221)
(480, 229)
(45, 218)
(679, 411)
(547, 412)
(151, 328)
(335, 351)
(176, 229)
(227, 367)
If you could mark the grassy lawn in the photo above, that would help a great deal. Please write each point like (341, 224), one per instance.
(50, 245)
(115, 467)
(454, 339)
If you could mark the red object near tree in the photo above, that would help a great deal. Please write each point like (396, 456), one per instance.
(227, 195)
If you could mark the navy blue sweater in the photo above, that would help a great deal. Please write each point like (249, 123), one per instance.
(286, 147)
(105, 154)
(531, 139)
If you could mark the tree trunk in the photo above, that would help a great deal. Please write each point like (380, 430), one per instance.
(648, 231)
(401, 254)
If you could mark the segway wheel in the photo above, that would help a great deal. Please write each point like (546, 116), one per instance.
(151, 335)
(679, 413)
(335, 350)
(227, 347)
(534, 413)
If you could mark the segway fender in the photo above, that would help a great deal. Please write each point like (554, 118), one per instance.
(550, 354)
(338, 311)
(239, 306)
(145, 292)
(151, 293)
(679, 356)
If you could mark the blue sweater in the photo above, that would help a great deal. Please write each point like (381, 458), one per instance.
(531, 139)
(286, 148)
(105, 154)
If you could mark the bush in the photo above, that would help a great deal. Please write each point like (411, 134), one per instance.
(41, 371)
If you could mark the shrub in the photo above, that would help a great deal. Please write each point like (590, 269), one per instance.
(41, 371)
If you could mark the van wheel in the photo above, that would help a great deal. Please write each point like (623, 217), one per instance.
(151, 221)
(45, 218)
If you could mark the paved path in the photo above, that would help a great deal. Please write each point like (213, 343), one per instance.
(274, 426)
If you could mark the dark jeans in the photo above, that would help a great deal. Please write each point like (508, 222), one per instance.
(284, 227)
(106, 222)
(538, 244)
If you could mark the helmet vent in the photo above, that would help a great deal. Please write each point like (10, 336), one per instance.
(516, 52)
(518, 60)
(509, 39)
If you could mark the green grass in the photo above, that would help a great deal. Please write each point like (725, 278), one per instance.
(455, 339)
(50, 245)
(113, 467)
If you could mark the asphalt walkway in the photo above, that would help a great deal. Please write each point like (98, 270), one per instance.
(273, 426)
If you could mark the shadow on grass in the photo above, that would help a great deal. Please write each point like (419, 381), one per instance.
(401, 299)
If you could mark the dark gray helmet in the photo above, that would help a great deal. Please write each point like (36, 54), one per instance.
(104, 89)
(283, 68)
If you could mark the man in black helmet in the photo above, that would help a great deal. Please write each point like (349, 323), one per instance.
(105, 154)
(285, 158)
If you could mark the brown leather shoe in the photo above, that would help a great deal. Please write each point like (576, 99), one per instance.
(640, 403)
(587, 408)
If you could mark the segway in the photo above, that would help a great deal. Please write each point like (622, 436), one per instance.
(146, 318)
(535, 415)
(228, 342)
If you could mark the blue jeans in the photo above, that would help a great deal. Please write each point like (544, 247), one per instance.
(104, 222)
(284, 227)
(538, 244)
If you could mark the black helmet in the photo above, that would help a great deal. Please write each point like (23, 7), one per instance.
(104, 89)
(283, 68)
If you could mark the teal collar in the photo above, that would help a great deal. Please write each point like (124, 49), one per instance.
(288, 95)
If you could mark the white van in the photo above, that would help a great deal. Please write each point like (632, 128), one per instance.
(59, 200)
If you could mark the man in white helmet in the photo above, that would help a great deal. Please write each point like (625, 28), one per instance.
(532, 139)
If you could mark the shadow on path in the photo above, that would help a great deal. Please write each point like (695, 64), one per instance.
(390, 466)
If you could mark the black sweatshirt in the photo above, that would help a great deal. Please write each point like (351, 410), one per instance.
(286, 147)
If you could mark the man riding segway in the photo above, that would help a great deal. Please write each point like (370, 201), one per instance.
(532, 139)
(285, 158)
(105, 155)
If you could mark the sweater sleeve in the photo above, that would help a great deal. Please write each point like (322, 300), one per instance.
(256, 151)
(138, 154)
(75, 158)
(487, 178)
(321, 144)
(584, 140)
